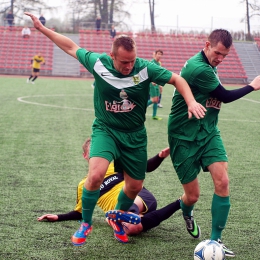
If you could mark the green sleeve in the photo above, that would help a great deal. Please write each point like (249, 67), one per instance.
(206, 80)
(87, 58)
(158, 74)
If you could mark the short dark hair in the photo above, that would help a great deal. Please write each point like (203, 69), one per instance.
(220, 35)
(123, 41)
(159, 50)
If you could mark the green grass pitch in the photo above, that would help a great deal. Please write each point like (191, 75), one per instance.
(42, 128)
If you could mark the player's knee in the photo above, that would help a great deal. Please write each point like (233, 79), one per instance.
(94, 181)
(222, 186)
(192, 198)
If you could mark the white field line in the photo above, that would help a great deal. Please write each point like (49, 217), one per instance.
(21, 99)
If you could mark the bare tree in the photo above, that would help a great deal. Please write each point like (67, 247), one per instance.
(19, 7)
(252, 9)
(151, 8)
(110, 11)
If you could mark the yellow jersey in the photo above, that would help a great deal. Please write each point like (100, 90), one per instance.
(109, 190)
(37, 61)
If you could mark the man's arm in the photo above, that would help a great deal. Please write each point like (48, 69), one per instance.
(72, 215)
(183, 88)
(63, 42)
(154, 162)
(227, 96)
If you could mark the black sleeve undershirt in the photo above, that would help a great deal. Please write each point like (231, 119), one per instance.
(227, 96)
(73, 215)
(153, 163)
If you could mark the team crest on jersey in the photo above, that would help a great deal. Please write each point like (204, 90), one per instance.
(120, 107)
(136, 79)
(214, 103)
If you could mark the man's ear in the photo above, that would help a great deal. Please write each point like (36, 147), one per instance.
(112, 55)
(207, 44)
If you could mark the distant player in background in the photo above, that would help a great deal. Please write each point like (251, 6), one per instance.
(36, 63)
(145, 203)
(161, 90)
(154, 88)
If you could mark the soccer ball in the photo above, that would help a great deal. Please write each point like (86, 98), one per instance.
(209, 250)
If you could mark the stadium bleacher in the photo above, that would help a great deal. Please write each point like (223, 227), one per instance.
(257, 40)
(177, 49)
(16, 52)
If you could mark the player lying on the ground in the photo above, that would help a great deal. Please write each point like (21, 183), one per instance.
(144, 205)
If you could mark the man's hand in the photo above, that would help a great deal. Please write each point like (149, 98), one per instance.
(36, 22)
(196, 109)
(49, 217)
(255, 83)
(164, 153)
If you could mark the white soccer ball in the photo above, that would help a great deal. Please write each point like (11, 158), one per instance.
(209, 250)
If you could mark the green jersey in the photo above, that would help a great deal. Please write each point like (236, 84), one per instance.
(156, 62)
(202, 79)
(120, 101)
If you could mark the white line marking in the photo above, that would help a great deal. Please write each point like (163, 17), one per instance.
(21, 99)
(251, 100)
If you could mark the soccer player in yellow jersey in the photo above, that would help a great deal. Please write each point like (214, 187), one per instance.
(36, 63)
(144, 205)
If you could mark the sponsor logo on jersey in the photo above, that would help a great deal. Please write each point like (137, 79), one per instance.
(214, 103)
(122, 106)
(108, 181)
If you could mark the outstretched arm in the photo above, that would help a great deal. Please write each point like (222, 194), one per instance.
(63, 42)
(154, 162)
(73, 215)
(227, 96)
(182, 86)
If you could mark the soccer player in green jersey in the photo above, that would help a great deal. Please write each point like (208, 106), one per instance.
(197, 144)
(155, 88)
(118, 133)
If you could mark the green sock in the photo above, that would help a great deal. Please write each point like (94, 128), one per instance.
(219, 210)
(149, 102)
(124, 202)
(186, 210)
(155, 107)
(89, 201)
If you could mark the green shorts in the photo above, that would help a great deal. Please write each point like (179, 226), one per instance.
(154, 90)
(128, 150)
(188, 157)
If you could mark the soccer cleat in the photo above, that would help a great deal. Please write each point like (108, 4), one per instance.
(192, 226)
(32, 82)
(160, 105)
(122, 216)
(227, 251)
(119, 232)
(27, 81)
(79, 237)
(156, 118)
